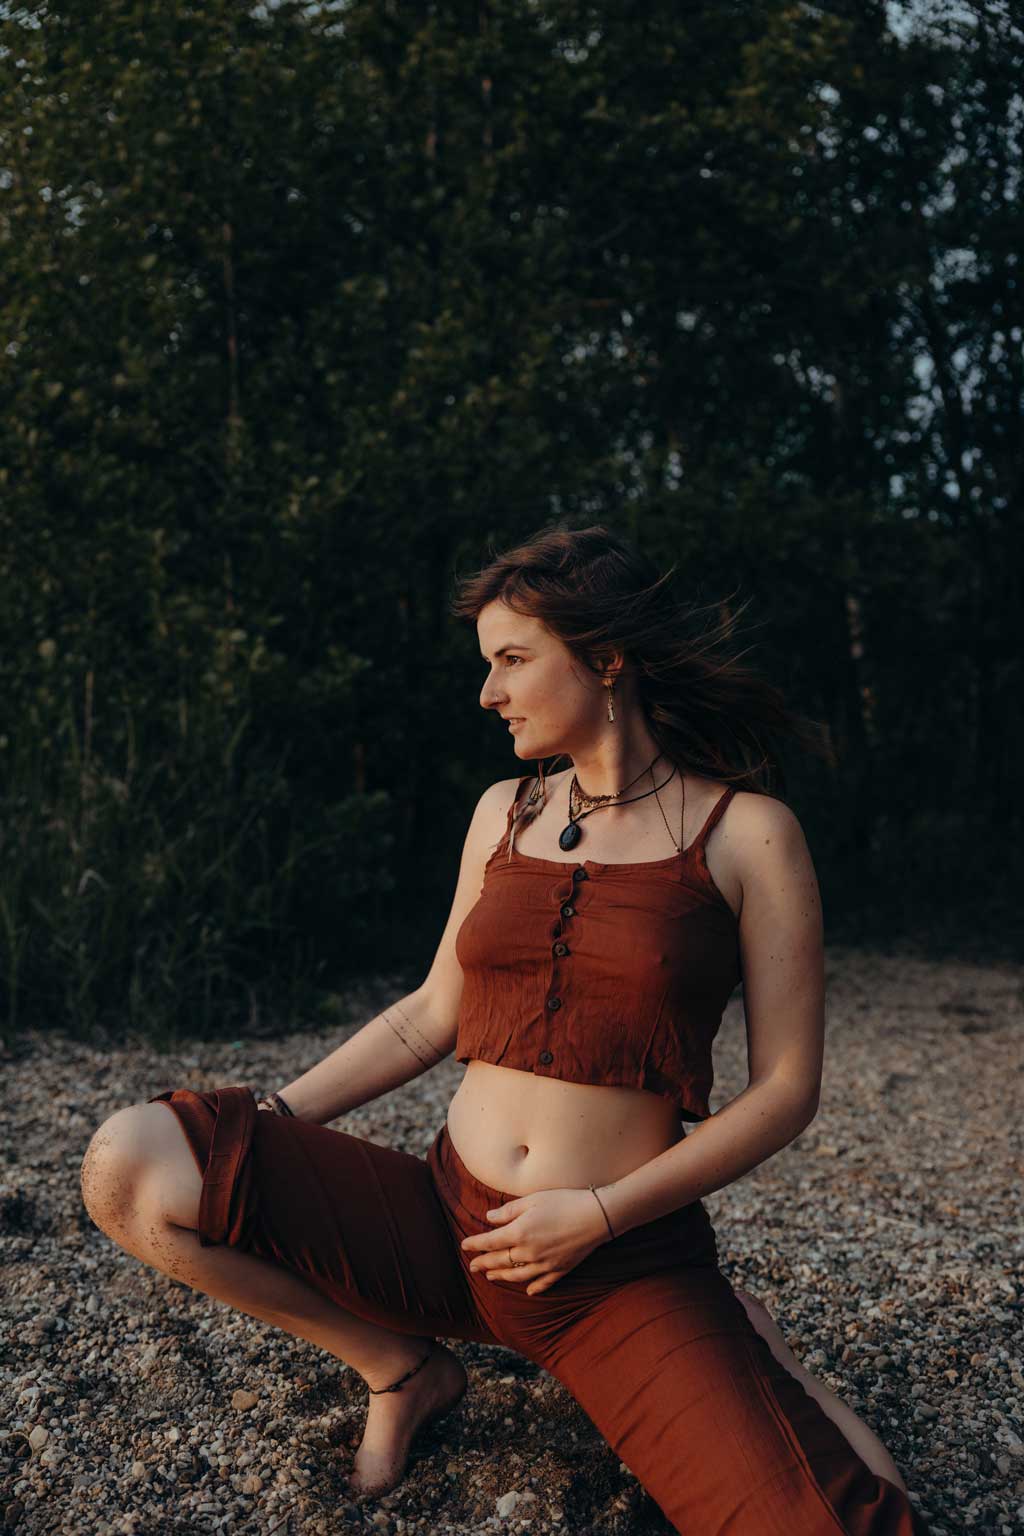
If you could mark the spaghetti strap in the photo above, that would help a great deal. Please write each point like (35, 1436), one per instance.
(526, 779)
(717, 811)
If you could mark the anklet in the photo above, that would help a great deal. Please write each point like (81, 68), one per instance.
(396, 1384)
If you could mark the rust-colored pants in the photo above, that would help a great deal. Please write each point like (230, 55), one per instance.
(646, 1333)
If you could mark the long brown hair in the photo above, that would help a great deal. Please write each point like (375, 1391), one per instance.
(598, 594)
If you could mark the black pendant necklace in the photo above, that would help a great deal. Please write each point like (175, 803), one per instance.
(572, 831)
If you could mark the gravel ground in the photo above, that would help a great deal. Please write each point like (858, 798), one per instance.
(886, 1241)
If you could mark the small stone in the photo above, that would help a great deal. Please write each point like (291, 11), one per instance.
(243, 1400)
(138, 1469)
(509, 1503)
(148, 1359)
(927, 1411)
(251, 1484)
(38, 1437)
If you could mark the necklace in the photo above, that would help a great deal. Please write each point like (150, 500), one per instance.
(572, 831)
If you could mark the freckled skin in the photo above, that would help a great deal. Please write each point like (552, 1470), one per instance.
(104, 1198)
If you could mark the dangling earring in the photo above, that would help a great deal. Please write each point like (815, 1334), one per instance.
(611, 699)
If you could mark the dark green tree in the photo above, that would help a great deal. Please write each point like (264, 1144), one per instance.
(304, 307)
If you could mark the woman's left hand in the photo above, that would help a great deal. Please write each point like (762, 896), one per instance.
(549, 1232)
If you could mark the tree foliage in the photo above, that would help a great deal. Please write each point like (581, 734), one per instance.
(305, 306)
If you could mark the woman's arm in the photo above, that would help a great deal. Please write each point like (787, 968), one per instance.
(782, 958)
(400, 1043)
(409, 1037)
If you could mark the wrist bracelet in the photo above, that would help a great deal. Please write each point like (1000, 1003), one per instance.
(274, 1102)
(604, 1213)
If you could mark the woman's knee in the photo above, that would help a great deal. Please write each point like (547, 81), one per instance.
(138, 1162)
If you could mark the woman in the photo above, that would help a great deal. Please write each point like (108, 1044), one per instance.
(558, 1211)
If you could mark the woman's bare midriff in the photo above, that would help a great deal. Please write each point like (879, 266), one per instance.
(520, 1133)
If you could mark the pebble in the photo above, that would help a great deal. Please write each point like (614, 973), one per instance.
(510, 1503)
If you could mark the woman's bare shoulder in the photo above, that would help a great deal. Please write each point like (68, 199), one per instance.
(759, 830)
(495, 803)
(761, 812)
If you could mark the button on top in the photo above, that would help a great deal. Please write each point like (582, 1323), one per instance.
(561, 949)
(580, 874)
(568, 910)
(546, 1058)
(554, 1003)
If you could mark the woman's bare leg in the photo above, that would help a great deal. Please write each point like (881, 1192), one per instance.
(141, 1186)
(863, 1439)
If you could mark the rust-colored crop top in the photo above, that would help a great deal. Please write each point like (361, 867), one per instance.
(615, 974)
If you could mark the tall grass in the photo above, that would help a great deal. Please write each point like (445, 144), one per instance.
(171, 882)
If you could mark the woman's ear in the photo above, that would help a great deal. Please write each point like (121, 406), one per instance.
(610, 664)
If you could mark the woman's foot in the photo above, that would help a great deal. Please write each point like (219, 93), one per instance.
(394, 1418)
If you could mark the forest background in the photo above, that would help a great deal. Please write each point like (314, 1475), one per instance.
(306, 308)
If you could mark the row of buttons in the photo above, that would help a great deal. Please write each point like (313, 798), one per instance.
(567, 910)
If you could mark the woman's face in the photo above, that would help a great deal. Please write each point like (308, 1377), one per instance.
(534, 679)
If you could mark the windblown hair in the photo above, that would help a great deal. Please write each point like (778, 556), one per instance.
(598, 594)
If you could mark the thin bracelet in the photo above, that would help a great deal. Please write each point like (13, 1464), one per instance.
(604, 1213)
(275, 1102)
